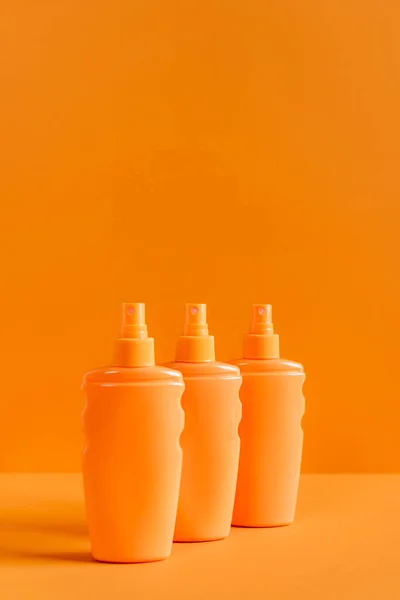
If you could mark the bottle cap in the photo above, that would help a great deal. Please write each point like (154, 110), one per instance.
(261, 341)
(134, 348)
(195, 345)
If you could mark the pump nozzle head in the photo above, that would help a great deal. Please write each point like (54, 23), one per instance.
(134, 348)
(261, 342)
(196, 319)
(133, 320)
(195, 345)
(261, 321)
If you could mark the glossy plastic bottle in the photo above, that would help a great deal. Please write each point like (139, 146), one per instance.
(270, 431)
(210, 440)
(132, 459)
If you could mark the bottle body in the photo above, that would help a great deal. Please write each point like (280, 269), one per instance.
(211, 446)
(132, 461)
(271, 442)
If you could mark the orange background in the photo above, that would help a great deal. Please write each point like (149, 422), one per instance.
(215, 151)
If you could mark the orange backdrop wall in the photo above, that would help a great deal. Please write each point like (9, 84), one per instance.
(214, 151)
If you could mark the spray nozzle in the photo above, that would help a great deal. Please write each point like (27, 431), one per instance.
(134, 348)
(133, 320)
(195, 345)
(261, 342)
(196, 319)
(261, 320)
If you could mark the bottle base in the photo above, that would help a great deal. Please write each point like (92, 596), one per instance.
(128, 560)
(261, 525)
(198, 540)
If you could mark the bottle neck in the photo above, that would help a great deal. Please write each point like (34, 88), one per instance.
(129, 352)
(261, 346)
(195, 349)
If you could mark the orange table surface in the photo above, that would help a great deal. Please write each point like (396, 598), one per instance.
(345, 543)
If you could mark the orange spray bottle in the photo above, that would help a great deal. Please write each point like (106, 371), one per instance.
(132, 459)
(270, 431)
(210, 440)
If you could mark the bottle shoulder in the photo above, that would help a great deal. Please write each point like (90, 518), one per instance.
(268, 365)
(113, 375)
(205, 369)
